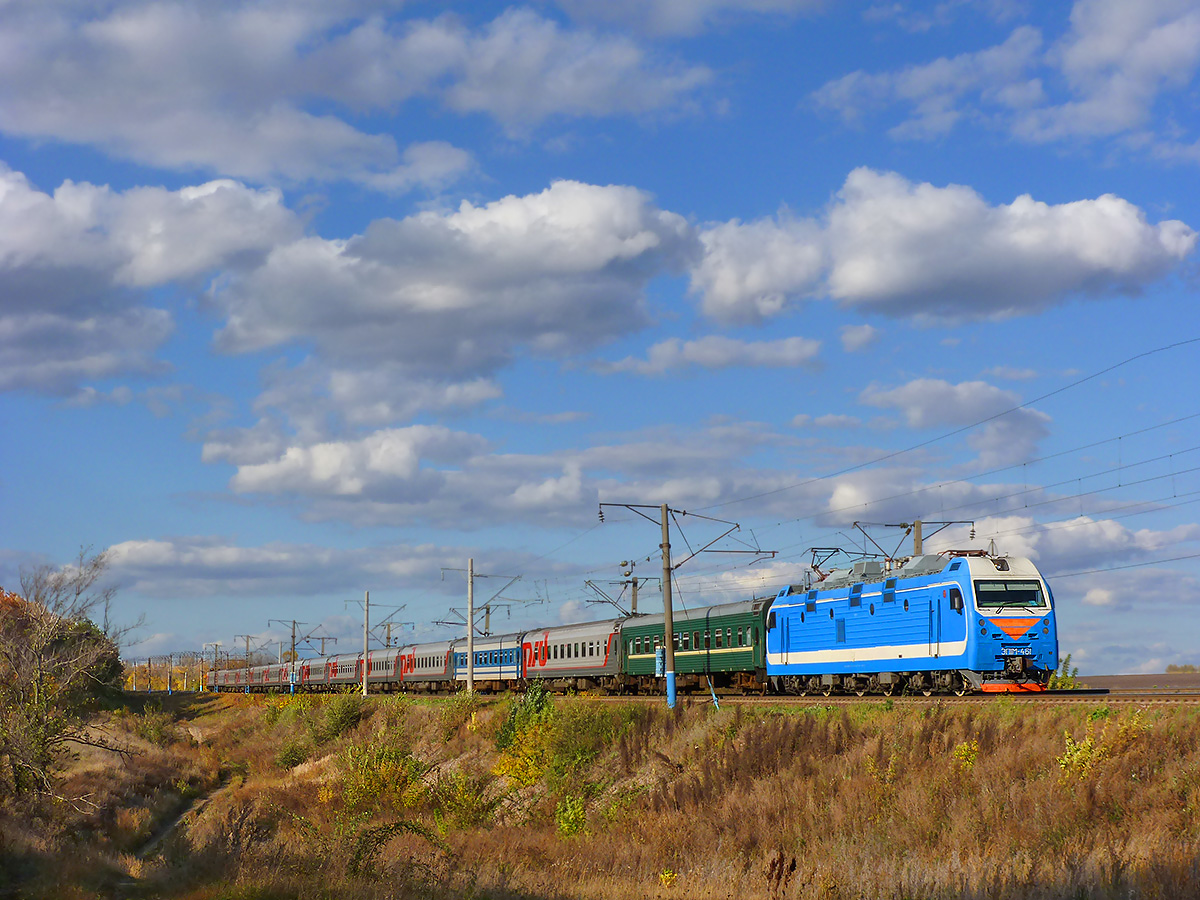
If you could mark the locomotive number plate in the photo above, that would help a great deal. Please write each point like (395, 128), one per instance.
(1016, 651)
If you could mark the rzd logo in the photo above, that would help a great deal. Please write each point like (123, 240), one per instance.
(536, 653)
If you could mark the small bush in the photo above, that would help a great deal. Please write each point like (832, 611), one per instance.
(570, 816)
(463, 800)
(457, 711)
(380, 775)
(1079, 757)
(1066, 677)
(527, 710)
(155, 727)
(291, 755)
(966, 753)
(294, 707)
(526, 757)
(581, 731)
(342, 713)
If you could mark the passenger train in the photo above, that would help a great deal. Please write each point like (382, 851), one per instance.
(954, 622)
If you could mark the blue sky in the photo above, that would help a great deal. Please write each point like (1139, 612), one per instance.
(300, 299)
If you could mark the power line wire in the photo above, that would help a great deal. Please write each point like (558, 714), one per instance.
(1153, 562)
(949, 434)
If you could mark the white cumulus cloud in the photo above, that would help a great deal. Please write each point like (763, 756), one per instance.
(458, 292)
(1103, 77)
(75, 265)
(265, 90)
(905, 248)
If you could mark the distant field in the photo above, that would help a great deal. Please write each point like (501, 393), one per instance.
(1186, 682)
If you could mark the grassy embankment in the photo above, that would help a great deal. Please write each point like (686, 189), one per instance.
(567, 797)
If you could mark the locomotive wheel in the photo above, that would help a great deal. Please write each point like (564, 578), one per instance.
(827, 689)
(889, 689)
(860, 688)
(961, 686)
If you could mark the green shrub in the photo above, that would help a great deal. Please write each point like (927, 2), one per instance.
(1066, 677)
(155, 727)
(379, 775)
(581, 731)
(294, 707)
(464, 800)
(342, 713)
(570, 816)
(457, 711)
(1080, 757)
(966, 753)
(531, 708)
(291, 755)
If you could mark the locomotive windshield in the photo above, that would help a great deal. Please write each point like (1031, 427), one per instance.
(995, 594)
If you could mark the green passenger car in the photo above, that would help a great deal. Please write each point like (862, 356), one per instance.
(723, 643)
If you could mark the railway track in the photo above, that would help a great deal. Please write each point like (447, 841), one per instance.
(1102, 696)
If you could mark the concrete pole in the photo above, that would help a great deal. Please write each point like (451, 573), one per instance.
(470, 625)
(170, 673)
(366, 628)
(292, 668)
(635, 583)
(668, 612)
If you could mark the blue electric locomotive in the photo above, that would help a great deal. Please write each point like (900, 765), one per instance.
(960, 621)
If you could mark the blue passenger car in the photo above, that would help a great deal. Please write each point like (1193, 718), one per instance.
(963, 621)
(498, 661)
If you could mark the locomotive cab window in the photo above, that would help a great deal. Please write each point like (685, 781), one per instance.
(956, 599)
(998, 594)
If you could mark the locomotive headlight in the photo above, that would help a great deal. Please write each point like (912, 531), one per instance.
(983, 630)
(1045, 631)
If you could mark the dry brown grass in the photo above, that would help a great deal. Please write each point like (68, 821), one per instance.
(1009, 800)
